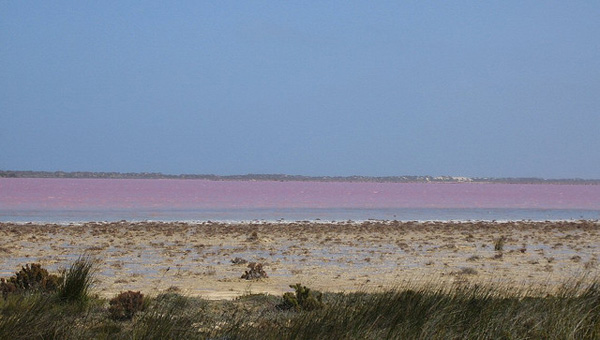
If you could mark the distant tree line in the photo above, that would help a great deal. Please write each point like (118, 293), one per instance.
(285, 178)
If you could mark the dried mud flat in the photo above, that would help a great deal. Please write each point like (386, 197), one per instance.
(207, 259)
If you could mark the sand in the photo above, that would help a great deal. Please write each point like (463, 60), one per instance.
(198, 259)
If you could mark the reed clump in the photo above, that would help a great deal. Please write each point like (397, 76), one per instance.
(468, 312)
(76, 281)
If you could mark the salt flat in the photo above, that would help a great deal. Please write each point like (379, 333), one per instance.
(207, 259)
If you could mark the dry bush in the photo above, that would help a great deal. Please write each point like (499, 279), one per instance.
(499, 244)
(255, 271)
(253, 237)
(125, 305)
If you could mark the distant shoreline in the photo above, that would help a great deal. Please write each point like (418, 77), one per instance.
(289, 178)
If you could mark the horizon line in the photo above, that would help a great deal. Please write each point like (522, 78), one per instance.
(283, 177)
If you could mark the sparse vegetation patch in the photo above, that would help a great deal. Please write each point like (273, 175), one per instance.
(469, 311)
(255, 271)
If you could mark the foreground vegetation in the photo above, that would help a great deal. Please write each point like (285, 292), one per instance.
(39, 305)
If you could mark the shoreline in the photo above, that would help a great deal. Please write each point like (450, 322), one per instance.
(197, 258)
(305, 221)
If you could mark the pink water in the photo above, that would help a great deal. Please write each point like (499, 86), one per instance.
(47, 196)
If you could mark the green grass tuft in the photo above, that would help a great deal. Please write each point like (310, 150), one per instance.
(77, 281)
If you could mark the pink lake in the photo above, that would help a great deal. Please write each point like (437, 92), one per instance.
(37, 198)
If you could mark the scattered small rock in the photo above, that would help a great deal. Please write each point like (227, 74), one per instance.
(239, 260)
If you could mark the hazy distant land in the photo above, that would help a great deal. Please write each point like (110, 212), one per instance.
(283, 177)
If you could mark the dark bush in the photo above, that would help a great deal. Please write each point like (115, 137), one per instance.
(30, 277)
(255, 271)
(125, 305)
(7, 287)
(303, 299)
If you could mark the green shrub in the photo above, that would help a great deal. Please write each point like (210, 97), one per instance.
(303, 299)
(77, 281)
(125, 305)
(30, 277)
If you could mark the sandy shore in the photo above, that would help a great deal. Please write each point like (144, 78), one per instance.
(198, 259)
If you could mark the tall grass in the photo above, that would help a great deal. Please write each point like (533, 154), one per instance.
(410, 312)
(77, 281)
(472, 312)
(35, 316)
(164, 321)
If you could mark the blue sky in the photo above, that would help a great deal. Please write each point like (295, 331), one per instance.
(502, 89)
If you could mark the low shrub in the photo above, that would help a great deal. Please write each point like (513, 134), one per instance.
(303, 299)
(255, 271)
(499, 244)
(125, 305)
(30, 277)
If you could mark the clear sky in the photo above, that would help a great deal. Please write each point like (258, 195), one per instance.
(464, 88)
